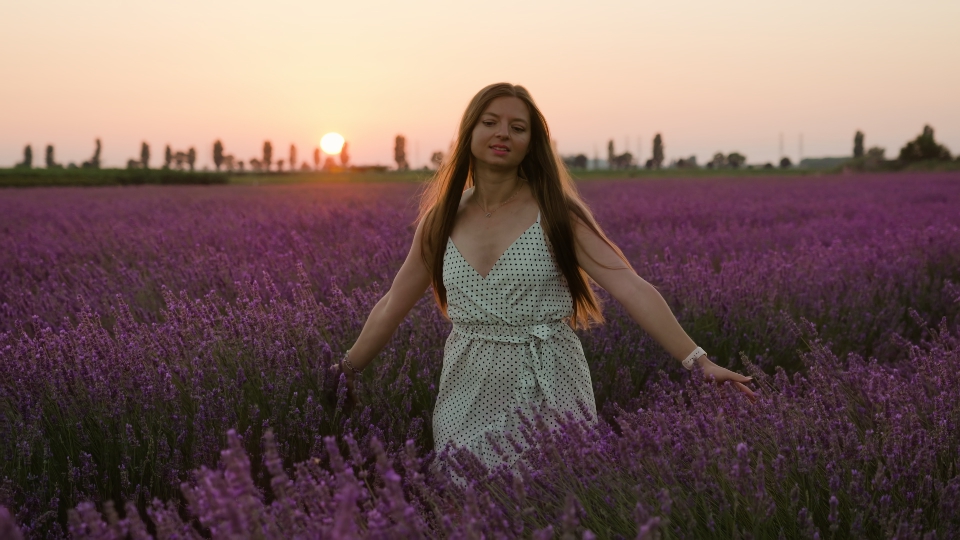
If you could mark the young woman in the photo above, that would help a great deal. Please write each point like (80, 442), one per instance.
(509, 248)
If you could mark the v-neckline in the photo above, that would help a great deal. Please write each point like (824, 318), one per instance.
(492, 268)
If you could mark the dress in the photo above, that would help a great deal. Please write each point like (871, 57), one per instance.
(509, 347)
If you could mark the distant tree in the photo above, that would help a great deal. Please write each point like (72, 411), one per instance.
(167, 157)
(688, 163)
(133, 164)
(436, 159)
(858, 144)
(923, 148)
(329, 163)
(400, 153)
(228, 162)
(719, 161)
(293, 158)
(94, 162)
(267, 155)
(578, 161)
(657, 151)
(316, 159)
(344, 156)
(736, 159)
(280, 165)
(27, 162)
(785, 163)
(255, 165)
(611, 154)
(305, 167)
(144, 155)
(51, 163)
(191, 157)
(240, 165)
(768, 165)
(648, 164)
(217, 154)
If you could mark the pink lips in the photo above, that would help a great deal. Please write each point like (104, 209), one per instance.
(499, 150)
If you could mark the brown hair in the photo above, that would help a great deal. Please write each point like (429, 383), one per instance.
(551, 184)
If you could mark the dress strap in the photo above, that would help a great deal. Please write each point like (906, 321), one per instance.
(538, 216)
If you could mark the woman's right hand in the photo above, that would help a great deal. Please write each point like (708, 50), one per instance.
(352, 398)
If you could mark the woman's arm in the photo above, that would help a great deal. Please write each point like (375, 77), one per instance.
(408, 287)
(643, 302)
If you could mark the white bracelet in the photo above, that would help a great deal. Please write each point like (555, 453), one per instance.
(688, 361)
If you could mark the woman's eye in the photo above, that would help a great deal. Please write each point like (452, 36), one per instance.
(518, 129)
(488, 123)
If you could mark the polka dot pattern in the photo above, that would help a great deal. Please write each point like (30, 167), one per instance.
(511, 347)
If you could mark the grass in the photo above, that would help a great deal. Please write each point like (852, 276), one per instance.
(104, 177)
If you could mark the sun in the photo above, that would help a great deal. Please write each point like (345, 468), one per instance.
(331, 143)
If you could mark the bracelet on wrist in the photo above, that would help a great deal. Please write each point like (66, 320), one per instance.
(346, 360)
(689, 360)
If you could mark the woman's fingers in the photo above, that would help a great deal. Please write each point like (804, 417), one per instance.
(746, 390)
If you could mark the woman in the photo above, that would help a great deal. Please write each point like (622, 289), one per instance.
(508, 246)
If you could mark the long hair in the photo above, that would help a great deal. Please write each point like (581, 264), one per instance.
(551, 184)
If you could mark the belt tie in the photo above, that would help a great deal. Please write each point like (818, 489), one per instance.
(542, 357)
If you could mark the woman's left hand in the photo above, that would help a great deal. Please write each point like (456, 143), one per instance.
(721, 375)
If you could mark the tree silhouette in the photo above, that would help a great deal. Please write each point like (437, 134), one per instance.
(293, 158)
(858, 144)
(736, 159)
(344, 156)
(718, 161)
(267, 155)
(167, 157)
(27, 162)
(657, 151)
(191, 157)
(51, 163)
(785, 163)
(400, 153)
(316, 159)
(217, 154)
(280, 165)
(924, 147)
(611, 155)
(145, 155)
(94, 162)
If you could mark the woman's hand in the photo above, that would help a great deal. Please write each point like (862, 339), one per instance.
(721, 374)
(352, 398)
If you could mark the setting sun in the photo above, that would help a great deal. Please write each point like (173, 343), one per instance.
(331, 143)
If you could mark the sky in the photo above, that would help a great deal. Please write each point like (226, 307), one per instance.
(708, 76)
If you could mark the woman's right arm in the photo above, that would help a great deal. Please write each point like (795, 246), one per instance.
(408, 287)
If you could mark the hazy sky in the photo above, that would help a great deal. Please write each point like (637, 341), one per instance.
(710, 76)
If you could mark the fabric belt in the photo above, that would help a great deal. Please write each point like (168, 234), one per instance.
(542, 358)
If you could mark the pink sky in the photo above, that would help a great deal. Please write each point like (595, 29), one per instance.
(710, 76)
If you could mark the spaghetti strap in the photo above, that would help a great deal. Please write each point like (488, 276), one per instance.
(538, 216)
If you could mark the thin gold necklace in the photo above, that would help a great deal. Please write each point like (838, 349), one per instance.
(488, 213)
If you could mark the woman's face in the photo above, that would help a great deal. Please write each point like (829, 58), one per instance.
(502, 135)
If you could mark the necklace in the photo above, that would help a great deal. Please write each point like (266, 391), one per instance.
(488, 213)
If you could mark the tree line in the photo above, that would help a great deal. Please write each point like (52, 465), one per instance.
(924, 147)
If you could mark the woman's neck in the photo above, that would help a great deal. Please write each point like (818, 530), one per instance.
(495, 186)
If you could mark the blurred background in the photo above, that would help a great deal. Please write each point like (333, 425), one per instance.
(766, 80)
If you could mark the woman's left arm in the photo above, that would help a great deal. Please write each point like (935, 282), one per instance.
(643, 302)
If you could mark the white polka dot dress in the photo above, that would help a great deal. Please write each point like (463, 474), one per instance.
(510, 347)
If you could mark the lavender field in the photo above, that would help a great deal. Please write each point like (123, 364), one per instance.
(163, 355)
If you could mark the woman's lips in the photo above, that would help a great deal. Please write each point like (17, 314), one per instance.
(500, 150)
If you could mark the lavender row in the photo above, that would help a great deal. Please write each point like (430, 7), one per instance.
(849, 449)
(125, 412)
